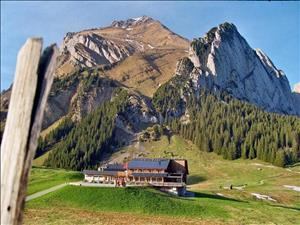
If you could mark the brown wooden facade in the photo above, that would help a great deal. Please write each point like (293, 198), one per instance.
(154, 172)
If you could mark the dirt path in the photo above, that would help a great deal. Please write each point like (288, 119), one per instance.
(41, 193)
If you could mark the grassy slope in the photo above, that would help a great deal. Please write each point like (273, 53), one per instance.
(209, 173)
(52, 127)
(71, 216)
(147, 71)
(41, 178)
(39, 161)
(149, 202)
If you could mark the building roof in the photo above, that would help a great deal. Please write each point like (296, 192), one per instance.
(146, 163)
(99, 173)
(149, 174)
(114, 167)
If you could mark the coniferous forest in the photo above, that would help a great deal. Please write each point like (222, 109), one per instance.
(235, 129)
(83, 146)
(229, 127)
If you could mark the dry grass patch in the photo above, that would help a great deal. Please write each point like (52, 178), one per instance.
(69, 216)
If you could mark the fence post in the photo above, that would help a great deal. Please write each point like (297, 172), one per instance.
(32, 83)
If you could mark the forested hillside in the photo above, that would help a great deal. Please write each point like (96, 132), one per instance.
(219, 123)
(83, 146)
(215, 122)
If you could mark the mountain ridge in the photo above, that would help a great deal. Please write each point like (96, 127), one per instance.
(163, 75)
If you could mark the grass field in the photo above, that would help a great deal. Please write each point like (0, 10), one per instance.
(39, 162)
(210, 172)
(42, 178)
(209, 176)
(205, 206)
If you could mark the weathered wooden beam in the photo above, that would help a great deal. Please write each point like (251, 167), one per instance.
(33, 79)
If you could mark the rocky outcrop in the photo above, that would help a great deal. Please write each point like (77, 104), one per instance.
(138, 115)
(90, 49)
(88, 98)
(57, 106)
(184, 67)
(224, 61)
(125, 24)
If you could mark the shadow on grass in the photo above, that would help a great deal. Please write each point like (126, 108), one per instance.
(195, 179)
(286, 207)
(155, 191)
(213, 196)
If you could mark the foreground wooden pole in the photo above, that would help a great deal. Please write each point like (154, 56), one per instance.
(33, 79)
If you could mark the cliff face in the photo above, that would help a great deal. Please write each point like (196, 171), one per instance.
(223, 60)
(91, 49)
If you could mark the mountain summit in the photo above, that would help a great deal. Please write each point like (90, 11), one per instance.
(132, 22)
(223, 60)
(145, 50)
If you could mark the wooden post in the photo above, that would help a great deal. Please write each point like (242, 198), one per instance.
(33, 79)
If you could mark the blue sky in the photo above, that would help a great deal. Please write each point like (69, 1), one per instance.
(273, 27)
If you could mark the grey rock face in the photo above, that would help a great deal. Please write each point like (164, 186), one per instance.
(57, 106)
(138, 115)
(88, 99)
(88, 50)
(76, 100)
(297, 101)
(184, 67)
(223, 60)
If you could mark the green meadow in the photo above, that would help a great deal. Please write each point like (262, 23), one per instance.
(210, 178)
(44, 178)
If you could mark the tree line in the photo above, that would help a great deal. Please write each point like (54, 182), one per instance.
(229, 127)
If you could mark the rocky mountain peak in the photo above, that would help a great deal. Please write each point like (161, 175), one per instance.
(131, 51)
(224, 61)
(227, 28)
(132, 22)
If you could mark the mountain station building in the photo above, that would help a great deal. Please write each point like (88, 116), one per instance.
(166, 174)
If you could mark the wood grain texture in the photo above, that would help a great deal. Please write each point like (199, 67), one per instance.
(33, 79)
(17, 127)
(46, 69)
